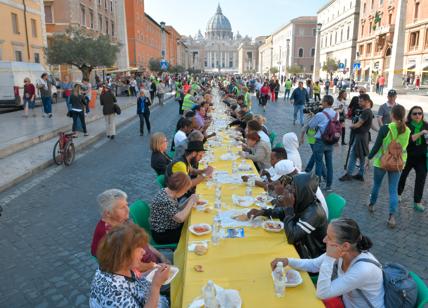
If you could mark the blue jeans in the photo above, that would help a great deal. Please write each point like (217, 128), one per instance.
(297, 109)
(311, 163)
(393, 178)
(353, 160)
(320, 150)
(67, 103)
(47, 104)
(287, 94)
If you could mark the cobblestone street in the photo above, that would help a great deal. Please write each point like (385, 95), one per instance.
(48, 220)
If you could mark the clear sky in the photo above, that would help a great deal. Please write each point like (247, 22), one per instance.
(252, 17)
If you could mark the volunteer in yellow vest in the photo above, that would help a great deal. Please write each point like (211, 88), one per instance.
(399, 132)
(317, 91)
(188, 102)
(188, 164)
(247, 98)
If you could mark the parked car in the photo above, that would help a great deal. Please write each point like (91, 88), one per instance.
(12, 76)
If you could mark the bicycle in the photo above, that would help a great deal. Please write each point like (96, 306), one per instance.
(64, 151)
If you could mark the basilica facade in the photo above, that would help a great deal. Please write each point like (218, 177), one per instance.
(220, 51)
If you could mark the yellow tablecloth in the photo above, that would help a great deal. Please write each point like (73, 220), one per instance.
(242, 264)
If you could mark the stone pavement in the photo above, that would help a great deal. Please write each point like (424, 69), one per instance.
(31, 150)
(404, 244)
(48, 220)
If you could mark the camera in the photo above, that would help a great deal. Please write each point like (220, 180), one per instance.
(312, 107)
(356, 115)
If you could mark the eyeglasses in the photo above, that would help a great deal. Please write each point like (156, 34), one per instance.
(417, 113)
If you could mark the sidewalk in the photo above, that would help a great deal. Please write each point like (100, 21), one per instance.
(28, 148)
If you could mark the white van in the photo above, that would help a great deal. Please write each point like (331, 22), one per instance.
(12, 76)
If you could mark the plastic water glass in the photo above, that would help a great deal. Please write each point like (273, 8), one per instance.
(215, 235)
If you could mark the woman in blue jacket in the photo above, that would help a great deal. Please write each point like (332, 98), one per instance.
(143, 111)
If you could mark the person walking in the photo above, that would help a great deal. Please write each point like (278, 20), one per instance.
(67, 87)
(417, 156)
(317, 91)
(264, 95)
(327, 86)
(321, 149)
(359, 145)
(77, 104)
(381, 82)
(417, 83)
(160, 92)
(298, 98)
(340, 106)
(153, 89)
(45, 88)
(276, 89)
(272, 90)
(288, 85)
(108, 101)
(384, 112)
(87, 93)
(398, 132)
(143, 111)
(29, 97)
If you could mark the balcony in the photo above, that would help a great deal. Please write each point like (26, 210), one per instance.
(384, 29)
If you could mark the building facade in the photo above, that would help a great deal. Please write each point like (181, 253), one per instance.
(23, 34)
(338, 21)
(217, 51)
(416, 41)
(99, 16)
(291, 45)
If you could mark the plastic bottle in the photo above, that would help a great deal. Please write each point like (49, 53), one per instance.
(210, 300)
(279, 279)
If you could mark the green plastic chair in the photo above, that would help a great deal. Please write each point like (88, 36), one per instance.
(161, 180)
(279, 145)
(140, 212)
(422, 291)
(272, 137)
(335, 204)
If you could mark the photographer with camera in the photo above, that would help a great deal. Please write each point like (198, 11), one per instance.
(359, 148)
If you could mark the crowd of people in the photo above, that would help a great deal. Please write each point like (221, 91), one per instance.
(336, 252)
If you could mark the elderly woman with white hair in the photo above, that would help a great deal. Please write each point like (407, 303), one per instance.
(114, 210)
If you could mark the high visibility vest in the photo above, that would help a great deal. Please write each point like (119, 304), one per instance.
(187, 102)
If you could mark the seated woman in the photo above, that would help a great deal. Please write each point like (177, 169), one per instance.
(291, 145)
(305, 221)
(114, 212)
(166, 214)
(257, 150)
(356, 278)
(116, 283)
(159, 160)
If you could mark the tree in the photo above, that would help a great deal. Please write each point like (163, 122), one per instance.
(294, 69)
(82, 49)
(330, 66)
(176, 69)
(154, 65)
(273, 70)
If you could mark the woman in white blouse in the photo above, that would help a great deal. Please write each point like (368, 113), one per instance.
(356, 278)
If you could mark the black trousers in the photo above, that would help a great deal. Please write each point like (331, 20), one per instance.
(78, 115)
(167, 237)
(180, 104)
(152, 96)
(144, 116)
(419, 164)
(317, 96)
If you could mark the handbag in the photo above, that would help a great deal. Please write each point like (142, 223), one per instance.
(117, 109)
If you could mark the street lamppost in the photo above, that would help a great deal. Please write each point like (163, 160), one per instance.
(287, 56)
(163, 39)
(317, 64)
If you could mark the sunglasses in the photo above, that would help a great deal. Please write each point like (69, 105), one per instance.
(417, 113)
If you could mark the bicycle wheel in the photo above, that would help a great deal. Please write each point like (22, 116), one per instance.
(69, 153)
(57, 154)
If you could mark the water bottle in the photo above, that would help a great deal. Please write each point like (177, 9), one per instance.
(279, 280)
(215, 235)
(210, 300)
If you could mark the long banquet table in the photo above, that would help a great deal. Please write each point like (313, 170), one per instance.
(242, 264)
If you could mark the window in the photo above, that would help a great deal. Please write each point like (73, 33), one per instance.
(380, 2)
(300, 52)
(362, 29)
(82, 13)
(33, 27)
(105, 4)
(364, 8)
(112, 29)
(426, 38)
(100, 2)
(361, 50)
(390, 19)
(100, 23)
(36, 57)
(372, 6)
(18, 55)
(369, 49)
(414, 40)
(106, 26)
(313, 52)
(331, 39)
(370, 27)
(91, 19)
(230, 59)
(416, 14)
(111, 5)
(15, 26)
(335, 37)
(348, 31)
(341, 35)
(48, 14)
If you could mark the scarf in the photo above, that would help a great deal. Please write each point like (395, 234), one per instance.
(418, 128)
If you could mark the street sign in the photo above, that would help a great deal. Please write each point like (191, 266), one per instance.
(357, 66)
(164, 65)
(341, 65)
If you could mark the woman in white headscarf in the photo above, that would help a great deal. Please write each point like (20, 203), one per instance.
(291, 145)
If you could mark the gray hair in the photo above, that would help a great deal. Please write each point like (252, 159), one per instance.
(107, 199)
(195, 136)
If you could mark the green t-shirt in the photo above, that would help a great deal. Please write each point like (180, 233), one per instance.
(288, 84)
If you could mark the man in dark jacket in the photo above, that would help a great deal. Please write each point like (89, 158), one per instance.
(108, 100)
(299, 97)
(305, 221)
(143, 111)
